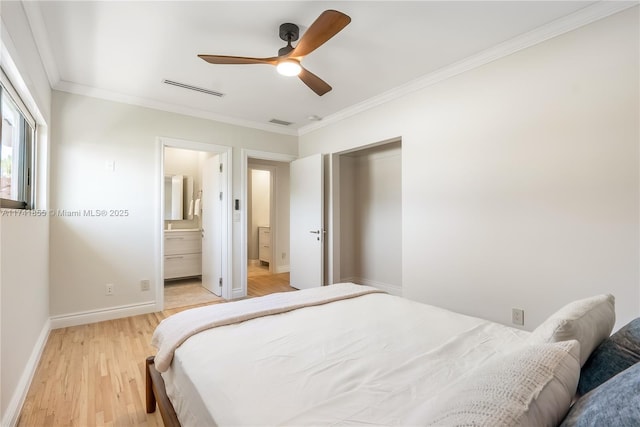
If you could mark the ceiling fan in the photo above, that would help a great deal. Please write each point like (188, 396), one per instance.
(327, 25)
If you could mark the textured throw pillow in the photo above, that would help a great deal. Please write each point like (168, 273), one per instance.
(588, 320)
(532, 386)
(614, 403)
(615, 354)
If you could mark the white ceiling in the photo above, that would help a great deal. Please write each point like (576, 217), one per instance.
(124, 49)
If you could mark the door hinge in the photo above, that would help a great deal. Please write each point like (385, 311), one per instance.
(220, 167)
(221, 195)
(220, 282)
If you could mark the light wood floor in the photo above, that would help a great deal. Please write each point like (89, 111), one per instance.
(185, 292)
(93, 375)
(261, 282)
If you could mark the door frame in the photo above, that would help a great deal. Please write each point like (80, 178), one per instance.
(227, 231)
(245, 155)
(272, 207)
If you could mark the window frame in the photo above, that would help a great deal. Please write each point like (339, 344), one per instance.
(26, 175)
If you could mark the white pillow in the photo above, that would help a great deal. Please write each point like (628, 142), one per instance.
(532, 386)
(588, 320)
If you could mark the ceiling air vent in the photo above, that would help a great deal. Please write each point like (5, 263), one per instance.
(197, 89)
(280, 122)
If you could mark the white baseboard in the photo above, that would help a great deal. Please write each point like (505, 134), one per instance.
(12, 412)
(237, 293)
(390, 289)
(85, 317)
(281, 269)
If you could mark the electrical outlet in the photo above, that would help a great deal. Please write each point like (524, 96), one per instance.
(517, 316)
(144, 285)
(108, 289)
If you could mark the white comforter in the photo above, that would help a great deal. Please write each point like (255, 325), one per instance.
(175, 330)
(373, 359)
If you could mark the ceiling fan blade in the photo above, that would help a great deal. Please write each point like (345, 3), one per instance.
(314, 82)
(221, 59)
(328, 24)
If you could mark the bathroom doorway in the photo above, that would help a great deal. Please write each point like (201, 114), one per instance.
(195, 224)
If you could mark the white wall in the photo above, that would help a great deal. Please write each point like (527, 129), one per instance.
(25, 304)
(520, 178)
(88, 252)
(347, 221)
(24, 240)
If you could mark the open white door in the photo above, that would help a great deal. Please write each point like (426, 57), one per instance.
(212, 222)
(307, 226)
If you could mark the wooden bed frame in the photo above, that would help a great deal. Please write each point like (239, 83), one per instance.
(156, 393)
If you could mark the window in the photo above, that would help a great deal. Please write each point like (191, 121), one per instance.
(17, 131)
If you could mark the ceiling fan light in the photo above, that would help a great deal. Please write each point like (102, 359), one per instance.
(289, 67)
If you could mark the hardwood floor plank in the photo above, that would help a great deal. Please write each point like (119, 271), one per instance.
(181, 293)
(94, 375)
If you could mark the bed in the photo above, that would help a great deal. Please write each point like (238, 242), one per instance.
(351, 354)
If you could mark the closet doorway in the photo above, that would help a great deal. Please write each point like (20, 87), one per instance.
(366, 216)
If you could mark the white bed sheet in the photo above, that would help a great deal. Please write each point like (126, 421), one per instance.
(367, 360)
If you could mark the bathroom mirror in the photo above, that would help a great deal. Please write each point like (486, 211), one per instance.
(178, 197)
(173, 197)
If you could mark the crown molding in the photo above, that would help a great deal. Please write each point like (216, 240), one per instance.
(93, 92)
(587, 15)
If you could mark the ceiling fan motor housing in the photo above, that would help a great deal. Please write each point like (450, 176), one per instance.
(289, 32)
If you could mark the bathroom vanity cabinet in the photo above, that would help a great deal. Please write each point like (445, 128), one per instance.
(182, 253)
